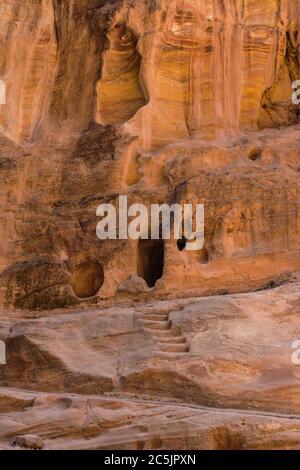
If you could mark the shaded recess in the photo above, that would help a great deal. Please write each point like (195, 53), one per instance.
(87, 279)
(119, 91)
(277, 108)
(150, 265)
(181, 243)
(255, 154)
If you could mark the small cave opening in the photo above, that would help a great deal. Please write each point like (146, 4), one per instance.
(255, 154)
(181, 243)
(87, 278)
(150, 266)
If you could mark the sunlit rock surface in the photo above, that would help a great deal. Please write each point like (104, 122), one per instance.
(177, 101)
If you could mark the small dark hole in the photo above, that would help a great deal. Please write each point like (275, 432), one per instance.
(87, 279)
(254, 155)
(273, 284)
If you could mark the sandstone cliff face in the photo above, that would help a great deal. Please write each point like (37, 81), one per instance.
(165, 102)
(211, 68)
(192, 68)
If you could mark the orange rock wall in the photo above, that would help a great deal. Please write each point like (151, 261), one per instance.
(163, 101)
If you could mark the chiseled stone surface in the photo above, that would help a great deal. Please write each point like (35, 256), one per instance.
(165, 101)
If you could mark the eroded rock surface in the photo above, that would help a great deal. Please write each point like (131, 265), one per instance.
(176, 101)
(162, 102)
(117, 377)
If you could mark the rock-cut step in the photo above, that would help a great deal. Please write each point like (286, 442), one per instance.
(156, 317)
(157, 325)
(171, 339)
(174, 348)
(162, 333)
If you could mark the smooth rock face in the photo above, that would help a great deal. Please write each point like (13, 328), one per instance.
(177, 101)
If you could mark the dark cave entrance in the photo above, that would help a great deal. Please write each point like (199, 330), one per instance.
(181, 243)
(150, 266)
(87, 279)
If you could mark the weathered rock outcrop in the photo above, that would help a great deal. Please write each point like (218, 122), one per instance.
(95, 91)
(219, 369)
(166, 102)
(205, 68)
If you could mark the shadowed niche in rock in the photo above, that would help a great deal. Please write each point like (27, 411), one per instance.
(181, 243)
(150, 264)
(87, 278)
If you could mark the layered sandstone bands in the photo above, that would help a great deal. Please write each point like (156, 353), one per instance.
(162, 101)
(196, 69)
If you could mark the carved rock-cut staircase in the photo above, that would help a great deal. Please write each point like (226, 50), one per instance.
(160, 326)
